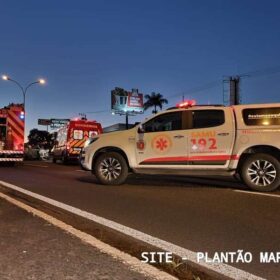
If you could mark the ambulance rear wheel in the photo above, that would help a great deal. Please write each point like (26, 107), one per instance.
(111, 169)
(261, 172)
(64, 159)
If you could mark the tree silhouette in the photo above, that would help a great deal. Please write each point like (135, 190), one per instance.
(154, 100)
(40, 138)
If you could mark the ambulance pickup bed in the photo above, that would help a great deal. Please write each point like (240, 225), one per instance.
(241, 140)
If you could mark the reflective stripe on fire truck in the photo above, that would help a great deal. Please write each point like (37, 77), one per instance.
(11, 152)
(16, 125)
(11, 159)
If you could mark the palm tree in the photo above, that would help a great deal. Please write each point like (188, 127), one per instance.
(154, 100)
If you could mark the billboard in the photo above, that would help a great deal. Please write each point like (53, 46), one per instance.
(125, 102)
(57, 123)
(44, 122)
(54, 123)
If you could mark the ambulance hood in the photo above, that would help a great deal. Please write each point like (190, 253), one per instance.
(120, 133)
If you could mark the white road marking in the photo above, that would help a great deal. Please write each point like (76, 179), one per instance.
(258, 193)
(36, 165)
(221, 268)
(132, 262)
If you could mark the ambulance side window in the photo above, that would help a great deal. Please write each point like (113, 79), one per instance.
(208, 118)
(61, 137)
(165, 122)
(78, 134)
(261, 116)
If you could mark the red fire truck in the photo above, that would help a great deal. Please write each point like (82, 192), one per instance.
(12, 133)
(71, 138)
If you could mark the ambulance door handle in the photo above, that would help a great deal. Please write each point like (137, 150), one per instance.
(223, 134)
(178, 136)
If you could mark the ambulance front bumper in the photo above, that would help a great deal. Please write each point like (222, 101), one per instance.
(82, 161)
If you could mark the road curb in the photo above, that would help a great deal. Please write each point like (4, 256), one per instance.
(128, 244)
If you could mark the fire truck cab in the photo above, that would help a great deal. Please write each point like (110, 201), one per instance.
(71, 138)
(12, 133)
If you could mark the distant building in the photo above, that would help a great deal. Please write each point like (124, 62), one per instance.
(116, 127)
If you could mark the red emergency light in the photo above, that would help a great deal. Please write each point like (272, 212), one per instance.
(186, 104)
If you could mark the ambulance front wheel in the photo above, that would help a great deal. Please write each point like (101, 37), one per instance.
(111, 169)
(64, 158)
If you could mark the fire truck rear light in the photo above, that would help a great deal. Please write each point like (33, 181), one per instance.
(21, 116)
(186, 104)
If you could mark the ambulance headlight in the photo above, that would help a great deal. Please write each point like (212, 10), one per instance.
(90, 141)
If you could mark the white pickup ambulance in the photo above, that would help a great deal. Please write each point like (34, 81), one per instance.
(194, 140)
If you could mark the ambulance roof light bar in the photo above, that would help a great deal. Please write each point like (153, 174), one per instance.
(186, 104)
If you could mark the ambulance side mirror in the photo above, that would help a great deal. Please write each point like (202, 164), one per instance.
(141, 129)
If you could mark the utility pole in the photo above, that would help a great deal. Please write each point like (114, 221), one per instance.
(83, 116)
(234, 90)
(126, 120)
(231, 93)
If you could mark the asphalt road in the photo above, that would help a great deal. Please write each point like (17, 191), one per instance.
(35, 249)
(202, 215)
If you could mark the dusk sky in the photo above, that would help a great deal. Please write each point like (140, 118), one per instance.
(86, 48)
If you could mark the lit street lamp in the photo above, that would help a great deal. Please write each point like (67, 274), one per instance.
(24, 90)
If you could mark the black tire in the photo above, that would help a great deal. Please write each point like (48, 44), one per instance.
(54, 160)
(110, 169)
(64, 158)
(261, 172)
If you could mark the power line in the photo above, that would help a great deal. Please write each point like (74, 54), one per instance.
(234, 82)
(262, 72)
(97, 112)
(198, 89)
(213, 84)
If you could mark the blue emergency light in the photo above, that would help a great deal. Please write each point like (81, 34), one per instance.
(21, 116)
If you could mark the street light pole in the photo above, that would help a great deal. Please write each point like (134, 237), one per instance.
(23, 90)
